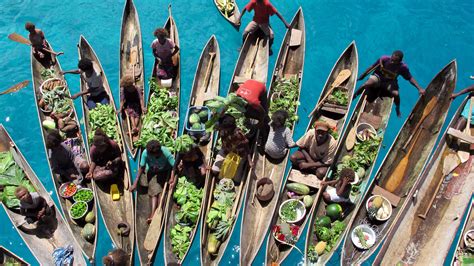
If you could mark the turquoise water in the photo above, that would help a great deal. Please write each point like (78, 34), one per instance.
(431, 33)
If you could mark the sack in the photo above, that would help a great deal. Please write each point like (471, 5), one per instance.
(230, 166)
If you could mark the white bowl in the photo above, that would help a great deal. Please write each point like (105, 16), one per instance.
(361, 127)
(385, 203)
(367, 231)
(468, 233)
(300, 211)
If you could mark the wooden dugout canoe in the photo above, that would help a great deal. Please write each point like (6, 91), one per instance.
(113, 212)
(6, 256)
(439, 227)
(255, 220)
(40, 243)
(142, 200)
(37, 68)
(376, 114)
(205, 87)
(235, 15)
(131, 63)
(252, 64)
(336, 116)
(404, 161)
(468, 225)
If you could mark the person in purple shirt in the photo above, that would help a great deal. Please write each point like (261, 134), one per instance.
(383, 81)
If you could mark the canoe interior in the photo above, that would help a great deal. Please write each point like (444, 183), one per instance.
(113, 212)
(255, 220)
(131, 63)
(142, 199)
(380, 108)
(234, 16)
(64, 204)
(36, 236)
(276, 251)
(437, 230)
(461, 245)
(205, 86)
(6, 256)
(416, 146)
(252, 64)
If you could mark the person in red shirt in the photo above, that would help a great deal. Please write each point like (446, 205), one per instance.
(263, 9)
(255, 93)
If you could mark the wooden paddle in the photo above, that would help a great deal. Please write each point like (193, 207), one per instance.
(207, 76)
(254, 58)
(20, 39)
(465, 154)
(428, 109)
(16, 87)
(351, 136)
(341, 78)
(155, 227)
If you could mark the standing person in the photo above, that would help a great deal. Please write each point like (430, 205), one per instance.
(131, 101)
(95, 87)
(32, 205)
(164, 49)
(462, 121)
(384, 80)
(41, 50)
(317, 150)
(106, 158)
(263, 9)
(157, 162)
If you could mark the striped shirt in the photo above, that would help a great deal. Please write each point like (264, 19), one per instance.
(278, 142)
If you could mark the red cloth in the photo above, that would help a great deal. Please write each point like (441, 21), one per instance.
(252, 91)
(262, 11)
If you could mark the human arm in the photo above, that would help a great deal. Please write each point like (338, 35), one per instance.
(282, 19)
(74, 71)
(142, 101)
(329, 183)
(175, 50)
(238, 22)
(140, 171)
(375, 65)
(290, 143)
(341, 189)
(416, 85)
(464, 91)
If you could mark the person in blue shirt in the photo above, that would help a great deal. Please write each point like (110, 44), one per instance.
(157, 162)
(462, 121)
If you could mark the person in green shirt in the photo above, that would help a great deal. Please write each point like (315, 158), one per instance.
(157, 162)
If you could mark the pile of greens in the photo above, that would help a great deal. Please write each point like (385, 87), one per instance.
(103, 117)
(183, 143)
(160, 121)
(232, 105)
(47, 73)
(288, 211)
(362, 157)
(285, 97)
(57, 101)
(339, 97)
(330, 235)
(11, 177)
(189, 198)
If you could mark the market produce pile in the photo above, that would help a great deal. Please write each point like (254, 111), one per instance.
(189, 199)
(103, 117)
(160, 122)
(285, 97)
(232, 105)
(183, 143)
(47, 73)
(226, 6)
(11, 176)
(197, 118)
(85, 195)
(220, 218)
(57, 101)
(339, 96)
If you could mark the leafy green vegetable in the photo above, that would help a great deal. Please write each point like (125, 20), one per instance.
(285, 97)
(232, 105)
(83, 195)
(58, 101)
(339, 97)
(219, 217)
(288, 210)
(183, 143)
(11, 176)
(324, 234)
(103, 117)
(78, 209)
(47, 74)
(312, 254)
(180, 239)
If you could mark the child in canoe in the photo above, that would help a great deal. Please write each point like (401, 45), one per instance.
(131, 101)
(279, 137)
(337, 191)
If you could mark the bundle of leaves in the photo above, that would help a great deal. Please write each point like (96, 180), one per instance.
(103, 117)
(47, 73)
(160, 122)
(183, 143)
(180, 239)
(219, 218)
(285, 97)
(11, 176)
(232, 105)
(58, 101)
(363, 155)
(339, 97)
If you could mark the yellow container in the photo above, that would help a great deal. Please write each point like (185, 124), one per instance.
(114, 192)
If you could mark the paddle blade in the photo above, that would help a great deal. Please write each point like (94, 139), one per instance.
(351, 139)
(397, 177)
(341, 77)
(18, 38)
(16, 87)
(450, 163)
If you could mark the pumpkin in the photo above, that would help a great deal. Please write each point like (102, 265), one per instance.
(88, 232)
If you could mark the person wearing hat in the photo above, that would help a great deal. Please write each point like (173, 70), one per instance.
(338, 191)
(316, 150)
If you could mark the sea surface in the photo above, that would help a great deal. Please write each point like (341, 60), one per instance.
(431, 33)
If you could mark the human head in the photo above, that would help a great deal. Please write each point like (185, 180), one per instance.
(116, 257)
(227, 123)
(85, 64)
(53, 139)
(397, 57)
(100, 141)
(30, 26)
(347, 173)
(127, 82)
(23, 194)
(322, 131)
(153, 147)
(279, 118)
(161, 34)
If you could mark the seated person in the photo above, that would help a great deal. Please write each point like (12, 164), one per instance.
(116, 257)
(95, 87)
(63, 160)
(164, 49)
(131, 101)
(233, 140)
(192, 164)
(316, 150)
(32, 205)
(106, 159)
(254, 92)
(337, 191)
(279, 137)
(157, 162)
